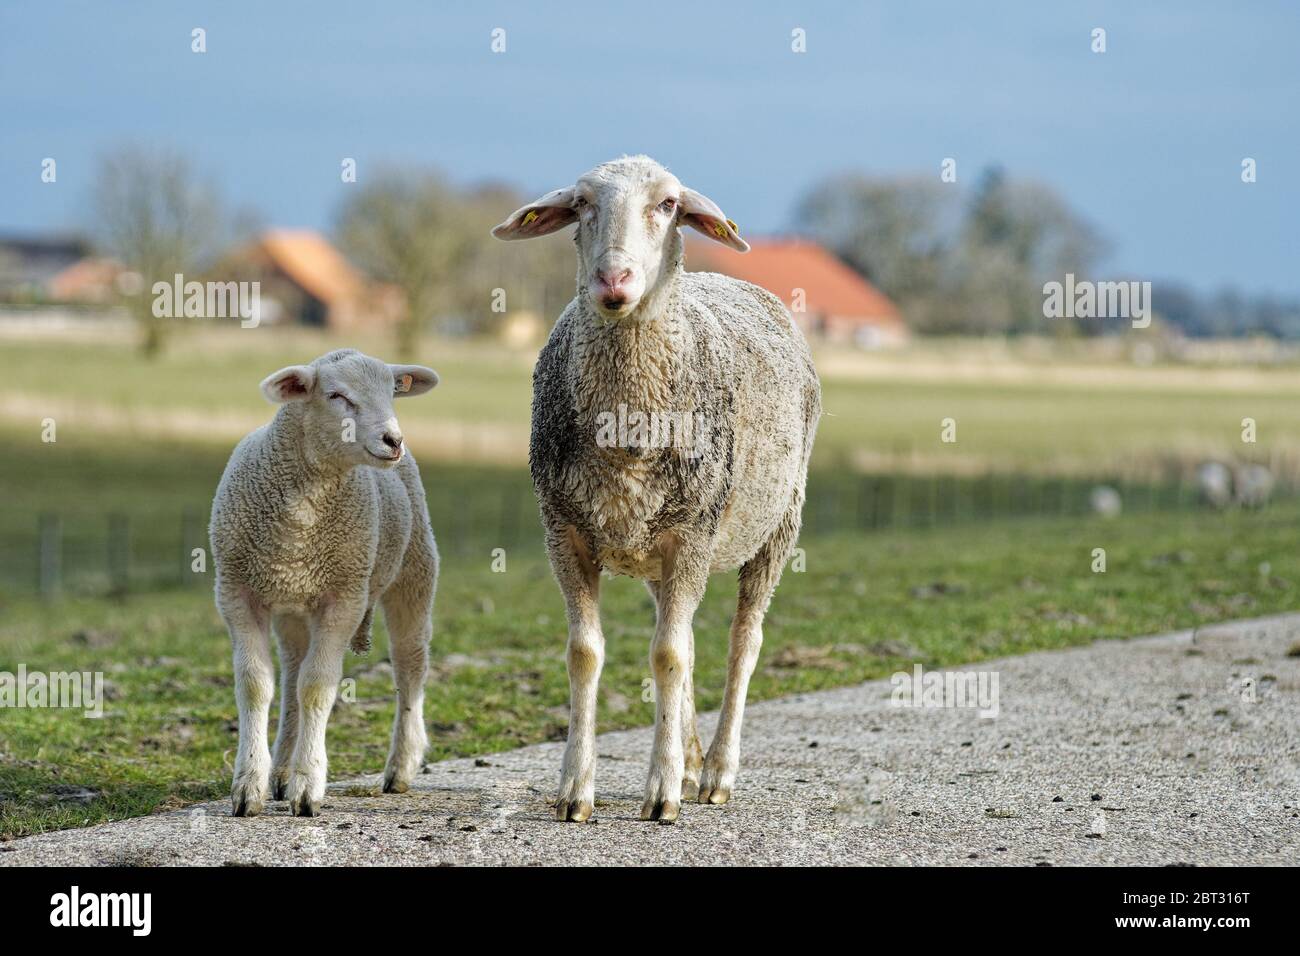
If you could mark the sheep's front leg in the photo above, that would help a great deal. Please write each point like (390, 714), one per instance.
(294, 638)
(408, 609)
(690, 735)
(332, 626)
(248, 621)
(685, 572)
(579, 579)
(758, 579)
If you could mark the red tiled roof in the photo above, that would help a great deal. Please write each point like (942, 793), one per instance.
(308, 259)
(90, 278)
(783, 265)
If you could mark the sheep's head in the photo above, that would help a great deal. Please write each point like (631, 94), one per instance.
(344, 401)
(628, 212)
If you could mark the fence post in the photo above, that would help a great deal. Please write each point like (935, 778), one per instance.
(828, 508)
(119, 554)
(49, 562)
(189, 524)
(508, 530)
(460, 530)
(882, 508)
(864, 502)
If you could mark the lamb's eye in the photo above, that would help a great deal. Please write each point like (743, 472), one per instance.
(668, 205)
(343, 398)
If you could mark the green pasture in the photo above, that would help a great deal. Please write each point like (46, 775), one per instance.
(915, 550)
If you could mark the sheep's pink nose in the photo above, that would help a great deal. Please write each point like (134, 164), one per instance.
(613, 281)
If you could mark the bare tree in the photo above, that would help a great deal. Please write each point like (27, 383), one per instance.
(896, 232)
(532, 276)
(408, 227)
(977, 266)
(1017, 234)
(411, 228)
(154, 215)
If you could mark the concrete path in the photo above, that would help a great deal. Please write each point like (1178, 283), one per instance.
(1175, 749)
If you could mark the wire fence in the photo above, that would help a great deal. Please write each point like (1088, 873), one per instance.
(115, 553)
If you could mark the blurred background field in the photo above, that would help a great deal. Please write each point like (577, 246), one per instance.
(140, 443)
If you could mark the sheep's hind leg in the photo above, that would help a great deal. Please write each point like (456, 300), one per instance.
(579, 580)
(332, 627)
(685, 573)
(249, 624)
(294, 638)
(758, 579)
(408, 610)
(694, 753)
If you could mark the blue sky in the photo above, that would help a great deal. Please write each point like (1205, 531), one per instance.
(1146, 140)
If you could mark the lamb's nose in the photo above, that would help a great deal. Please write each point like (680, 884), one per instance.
(393, 440)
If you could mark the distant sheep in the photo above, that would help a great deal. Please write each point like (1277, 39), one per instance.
(1248, 486)
(1253, 486)
(673, 417)
(1214, 483)
(1105, 501)
(319, 516)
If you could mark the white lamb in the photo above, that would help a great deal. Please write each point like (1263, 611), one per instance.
(320, 515)
(717, 391)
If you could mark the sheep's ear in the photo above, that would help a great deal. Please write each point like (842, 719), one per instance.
(540, 217)
(703, 215)
(411, 380)
(292, 384)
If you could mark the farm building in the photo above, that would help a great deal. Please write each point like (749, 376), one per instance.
(306, 281)
(92, 281)
(827, 297)
(29, 263)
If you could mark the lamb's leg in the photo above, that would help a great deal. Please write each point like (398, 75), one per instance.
(332, 627)
(694, 753)
(408, 610)
(248, 621)
(685, 572)
(294, 638)
(758, 579)
(579, 580)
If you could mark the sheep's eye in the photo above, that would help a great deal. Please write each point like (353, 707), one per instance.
(343, 398)
(668, 205)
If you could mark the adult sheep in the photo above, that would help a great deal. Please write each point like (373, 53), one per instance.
(673, 418)
(319, 516)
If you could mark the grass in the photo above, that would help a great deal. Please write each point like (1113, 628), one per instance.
(866, 606)
(911, 555)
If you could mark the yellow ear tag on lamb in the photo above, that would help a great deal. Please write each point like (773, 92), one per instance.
(404, 385)
(532, 214)
(734, 227)
(720, 230)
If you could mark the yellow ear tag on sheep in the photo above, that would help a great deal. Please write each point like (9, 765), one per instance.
(720, 230)
(405, 384)
(734, 227)
(532, 214)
